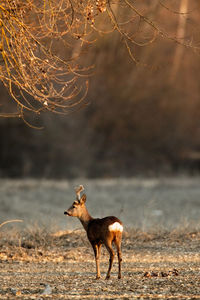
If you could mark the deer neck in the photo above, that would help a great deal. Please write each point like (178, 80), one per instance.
(85, 218)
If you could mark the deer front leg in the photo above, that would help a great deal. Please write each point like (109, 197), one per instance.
(97, 249)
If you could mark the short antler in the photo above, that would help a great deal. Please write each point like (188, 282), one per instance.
(78, 191)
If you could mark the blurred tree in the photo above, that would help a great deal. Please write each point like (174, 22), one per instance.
(137, 121)
(183, 12)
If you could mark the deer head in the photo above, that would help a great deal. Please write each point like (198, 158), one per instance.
(78, 206)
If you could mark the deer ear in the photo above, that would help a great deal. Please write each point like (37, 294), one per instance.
(83, 199)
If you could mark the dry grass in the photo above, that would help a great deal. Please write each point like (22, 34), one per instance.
(139, 203)
(35, 257)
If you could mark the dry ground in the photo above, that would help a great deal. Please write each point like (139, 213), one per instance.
(32, 258)
(155, 265)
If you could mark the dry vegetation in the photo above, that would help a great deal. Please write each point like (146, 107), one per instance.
(155, 265)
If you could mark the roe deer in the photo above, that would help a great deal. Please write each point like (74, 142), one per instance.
(99, 231)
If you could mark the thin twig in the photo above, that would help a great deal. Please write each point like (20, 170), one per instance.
(10, 221)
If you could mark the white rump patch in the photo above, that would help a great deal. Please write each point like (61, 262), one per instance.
(115, 227)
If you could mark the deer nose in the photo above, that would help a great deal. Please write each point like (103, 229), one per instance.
(66, 213)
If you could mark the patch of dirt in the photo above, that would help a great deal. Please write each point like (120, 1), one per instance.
(40, 265)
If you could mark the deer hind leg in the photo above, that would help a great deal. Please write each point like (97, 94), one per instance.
(118, 240)
(108, 245)
(97, 249)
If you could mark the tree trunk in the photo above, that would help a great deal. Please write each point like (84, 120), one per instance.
(179, 35)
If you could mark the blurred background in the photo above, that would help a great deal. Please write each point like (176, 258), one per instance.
(138, 119)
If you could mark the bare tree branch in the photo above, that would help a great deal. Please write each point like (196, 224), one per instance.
(42, 42)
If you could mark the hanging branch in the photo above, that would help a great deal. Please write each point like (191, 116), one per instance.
(41, 45)
(37, 77)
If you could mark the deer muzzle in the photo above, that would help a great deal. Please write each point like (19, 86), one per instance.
(66, 213)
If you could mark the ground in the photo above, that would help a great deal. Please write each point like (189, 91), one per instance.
(164, 265)
(43, 261)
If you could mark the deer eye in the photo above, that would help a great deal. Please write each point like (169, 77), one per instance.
(73, 206)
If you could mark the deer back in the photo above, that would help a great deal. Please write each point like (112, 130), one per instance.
(99, 229)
